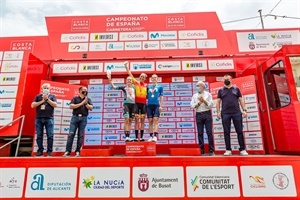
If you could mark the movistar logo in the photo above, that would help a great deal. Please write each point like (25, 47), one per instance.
(152, 35)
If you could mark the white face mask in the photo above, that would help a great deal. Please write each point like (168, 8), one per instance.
(45, 91)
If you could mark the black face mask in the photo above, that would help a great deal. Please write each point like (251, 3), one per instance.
(227, 82)
(84, 92)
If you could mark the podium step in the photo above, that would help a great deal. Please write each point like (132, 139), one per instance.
(185, 152)
(97, 152)
(140, 149)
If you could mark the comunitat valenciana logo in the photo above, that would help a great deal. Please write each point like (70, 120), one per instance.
(194, 182)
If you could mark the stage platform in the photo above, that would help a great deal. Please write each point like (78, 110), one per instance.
(151, 177)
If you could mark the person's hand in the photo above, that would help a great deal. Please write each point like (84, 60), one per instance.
(219, 115)
(126, 64)
(160, 109)
(45, 97)
(201, 99)
(85, 100)
(244, 114)
(108, 76)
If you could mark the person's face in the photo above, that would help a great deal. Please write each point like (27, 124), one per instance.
(129, 80)
(46, 89)
(227, 80)
(83, 91)
(142, 77)
(200, 88)
(154, 79)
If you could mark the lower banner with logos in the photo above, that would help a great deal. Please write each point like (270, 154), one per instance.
(150, 177)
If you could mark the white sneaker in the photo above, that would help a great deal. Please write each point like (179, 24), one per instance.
(154, 139)
(227, 153)
(77, 154)
(244, 153)
(150, 139)
(127, 139)
(66, 154)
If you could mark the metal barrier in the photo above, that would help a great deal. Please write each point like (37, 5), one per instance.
(19, 134)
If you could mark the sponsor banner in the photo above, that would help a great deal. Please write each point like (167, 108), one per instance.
(186, 136)
(170, 44)
(142, 66)
(252, 134)
(67, 112)
(65, 120)
(169, 103)
(185, 125)
(178, 79)
(95, 88)
(220, 64)
(104, 182)
(22, 45)
(181, 86)
(111, 115)
(109, 131)
(198, 78)
(252, 107)
(212, 181)
(170, 119)
(74, 82)
(7, 105)
(130, 36)
(168, 66)
(184, 93)
(94, 118)
(57, 121)
(8, 91)
(166, 125)
(93, 129)
(250, 98)
(114, 67)
(175, 142)
(96, 81)
(158, 182)
(78, 47)
(253, 141)
(11, 66)
(185, 114)
(13, 55)
(253, 126)
(188, 142)
(183, 103)
(187, 44)
(167, 114)
(111, 137)
(255, 147)
(195, 65)
(168, 93)
(58, 111)
(42, 183)
(103, 37)
(192, 34)
(11, 182)
(151, 45)
(266, 40)
(112, 105)
(65, 68)
(113, 95)
(90, 67)
(99, 46)
(253, 116)
(268, 181)
(75, 37)
(167, 136)
(207, 44)
(112, 126)
(133, 46)
(163, 35)
(65, 130)
(96, 97)
(115, 46)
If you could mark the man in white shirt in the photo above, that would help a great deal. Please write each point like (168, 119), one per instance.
(202, 103)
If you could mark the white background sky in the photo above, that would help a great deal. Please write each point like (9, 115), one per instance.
(27, 17)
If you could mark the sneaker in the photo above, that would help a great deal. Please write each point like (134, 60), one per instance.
(77, 154)
(154, 139)
(244, 153)
(150, 139)
(66, 154)
(202, 152)
(49, 154)
(227, 153)
(211, 153)
(142, 140)
(127, 139)
(39, 153)
(135, 140)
